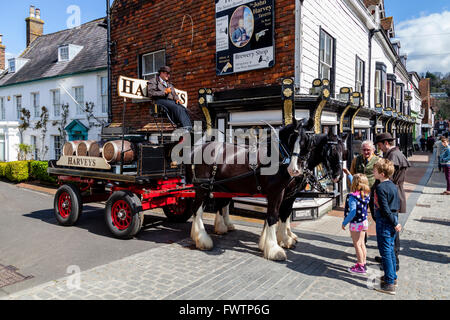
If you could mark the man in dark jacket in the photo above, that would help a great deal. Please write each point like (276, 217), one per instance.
(385, 143)
(163, 94)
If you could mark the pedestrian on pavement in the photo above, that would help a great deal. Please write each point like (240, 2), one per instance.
(356, 215)
(423, 142)
(386, 212)
(385, 142)
(445, 161)
(430, 144)
(363, 163)
(439, 149)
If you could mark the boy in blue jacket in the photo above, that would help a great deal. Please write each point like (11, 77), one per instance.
(387, 205)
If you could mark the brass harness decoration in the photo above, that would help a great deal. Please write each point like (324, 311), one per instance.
(288, 101)
(202, 103)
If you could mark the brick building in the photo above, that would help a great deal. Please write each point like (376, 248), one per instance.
(428, 102)
(345, 44)
(182, 35)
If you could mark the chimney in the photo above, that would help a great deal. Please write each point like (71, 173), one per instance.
(35, 26)
(2, 54)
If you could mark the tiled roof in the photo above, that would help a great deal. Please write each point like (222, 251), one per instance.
(43, 54)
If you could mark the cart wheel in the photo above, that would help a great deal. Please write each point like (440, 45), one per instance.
(68, 205)
(123, 215)
(180, 212)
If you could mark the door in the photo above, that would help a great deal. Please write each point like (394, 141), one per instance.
(77, 137)
(2, 148)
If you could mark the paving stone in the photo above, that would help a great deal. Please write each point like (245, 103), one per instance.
(235, 269)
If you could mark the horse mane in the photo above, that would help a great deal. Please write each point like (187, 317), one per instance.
(319, 141)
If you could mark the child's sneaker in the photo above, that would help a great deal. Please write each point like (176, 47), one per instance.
(357, 269)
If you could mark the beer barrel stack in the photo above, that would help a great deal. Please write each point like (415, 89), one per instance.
(110, 151)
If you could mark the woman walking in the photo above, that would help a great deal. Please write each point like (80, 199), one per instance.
(445, 163)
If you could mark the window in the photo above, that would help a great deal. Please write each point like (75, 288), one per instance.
(104, 93)
(360, 73)
(389, 95)
(399, 97)
(326, 57)
(2, 109)
(56, 102)
(18, 106)
(34, 147)
(57, 146)
(151, 62)
(79, 98)
(380, 84)
(63, 53)
(378, 87)
(35, 104)
(12, 65)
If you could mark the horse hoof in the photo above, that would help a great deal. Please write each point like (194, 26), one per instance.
(231, 227)
(276, 254)
(293, 237)
(204, 243)
(289, 244)
(220, 230)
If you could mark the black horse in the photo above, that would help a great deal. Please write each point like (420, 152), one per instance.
(243, 178)
(326, 149)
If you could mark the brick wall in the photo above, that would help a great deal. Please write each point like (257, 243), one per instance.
(425, 90)
(2, 57)
(140, 27)
(35, 29)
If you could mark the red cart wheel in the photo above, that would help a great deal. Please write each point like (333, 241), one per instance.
(67, 205)
(180, 212)
(123, 214)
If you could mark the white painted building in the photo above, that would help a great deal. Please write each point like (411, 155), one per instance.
(63, 68)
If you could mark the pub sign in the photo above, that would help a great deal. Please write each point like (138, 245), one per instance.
(244, 35)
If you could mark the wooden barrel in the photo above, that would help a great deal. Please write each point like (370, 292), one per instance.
(83, 148)
(95, 149)
(70, 148)
(112, 150)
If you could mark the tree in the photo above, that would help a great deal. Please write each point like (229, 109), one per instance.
(42, 125)
(62, 124)
(24, 122)
(89, 110)
(24, 151)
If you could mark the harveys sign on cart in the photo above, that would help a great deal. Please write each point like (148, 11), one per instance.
(136, 89)
(101, 155)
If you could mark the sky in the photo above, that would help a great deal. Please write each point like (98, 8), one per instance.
(423, 27)
(53, 12)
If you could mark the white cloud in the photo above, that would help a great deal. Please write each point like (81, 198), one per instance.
(426, 40)
(9, 55)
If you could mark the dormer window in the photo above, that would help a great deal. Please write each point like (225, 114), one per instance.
(12, 65)
(63, 53)
(67, 52)
(15, 64)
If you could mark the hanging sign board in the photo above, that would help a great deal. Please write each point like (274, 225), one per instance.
(136, 89)
(244, 35)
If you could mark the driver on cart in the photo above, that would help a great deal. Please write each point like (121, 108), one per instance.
(163, 94)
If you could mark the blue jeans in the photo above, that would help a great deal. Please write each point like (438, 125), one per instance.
(386, 239)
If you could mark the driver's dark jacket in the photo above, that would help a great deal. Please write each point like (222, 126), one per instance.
(156, 90)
